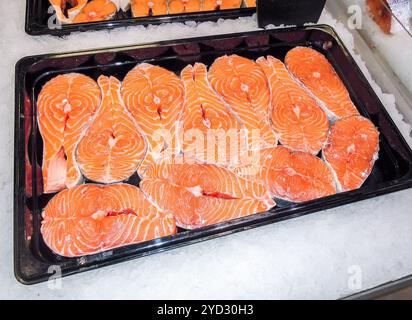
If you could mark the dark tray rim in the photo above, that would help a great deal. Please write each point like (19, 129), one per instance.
(205, 233)
(35, 29)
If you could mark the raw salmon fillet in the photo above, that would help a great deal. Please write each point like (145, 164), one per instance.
(154, 96)
(113, 146)
(315, 72)
(292, 175)
(244, 86)
(297, 119)
(207, 118)
(351, 151)
(182, 6)
(202, 194)
(65, 106)
(67, 10)
(96, 10)
(90, 218)
(209, 5)
(144, 8)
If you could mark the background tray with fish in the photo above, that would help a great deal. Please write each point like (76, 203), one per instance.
(35, 262)
(40, 20)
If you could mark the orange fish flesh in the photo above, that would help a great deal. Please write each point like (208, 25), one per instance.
(316, 73)
(154, 96)
(203, 194)
(291, 175)
(67, 10)
(296, 118)
(351, 151)
(90, 218)
(243, 85)
(65, 106)
(96, 10)
(113, 147)
(212, 132)
(182, 6)
(144, 8)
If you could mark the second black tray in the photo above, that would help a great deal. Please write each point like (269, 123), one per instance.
(37, 18)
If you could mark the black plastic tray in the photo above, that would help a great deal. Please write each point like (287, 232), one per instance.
(392, 171)
(37, 17)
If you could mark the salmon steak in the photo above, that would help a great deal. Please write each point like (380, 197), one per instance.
(293, 176)
(351, 151)
(297, 119)
(182, 6)
(154, 96)
(90, 218)
(113, 147)
(65, 106)
(67, 10)
(210, 5)
(96, 10)
(203, 194)
(243, 85)
(212, 133)
(145, 8)
(315, 72)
